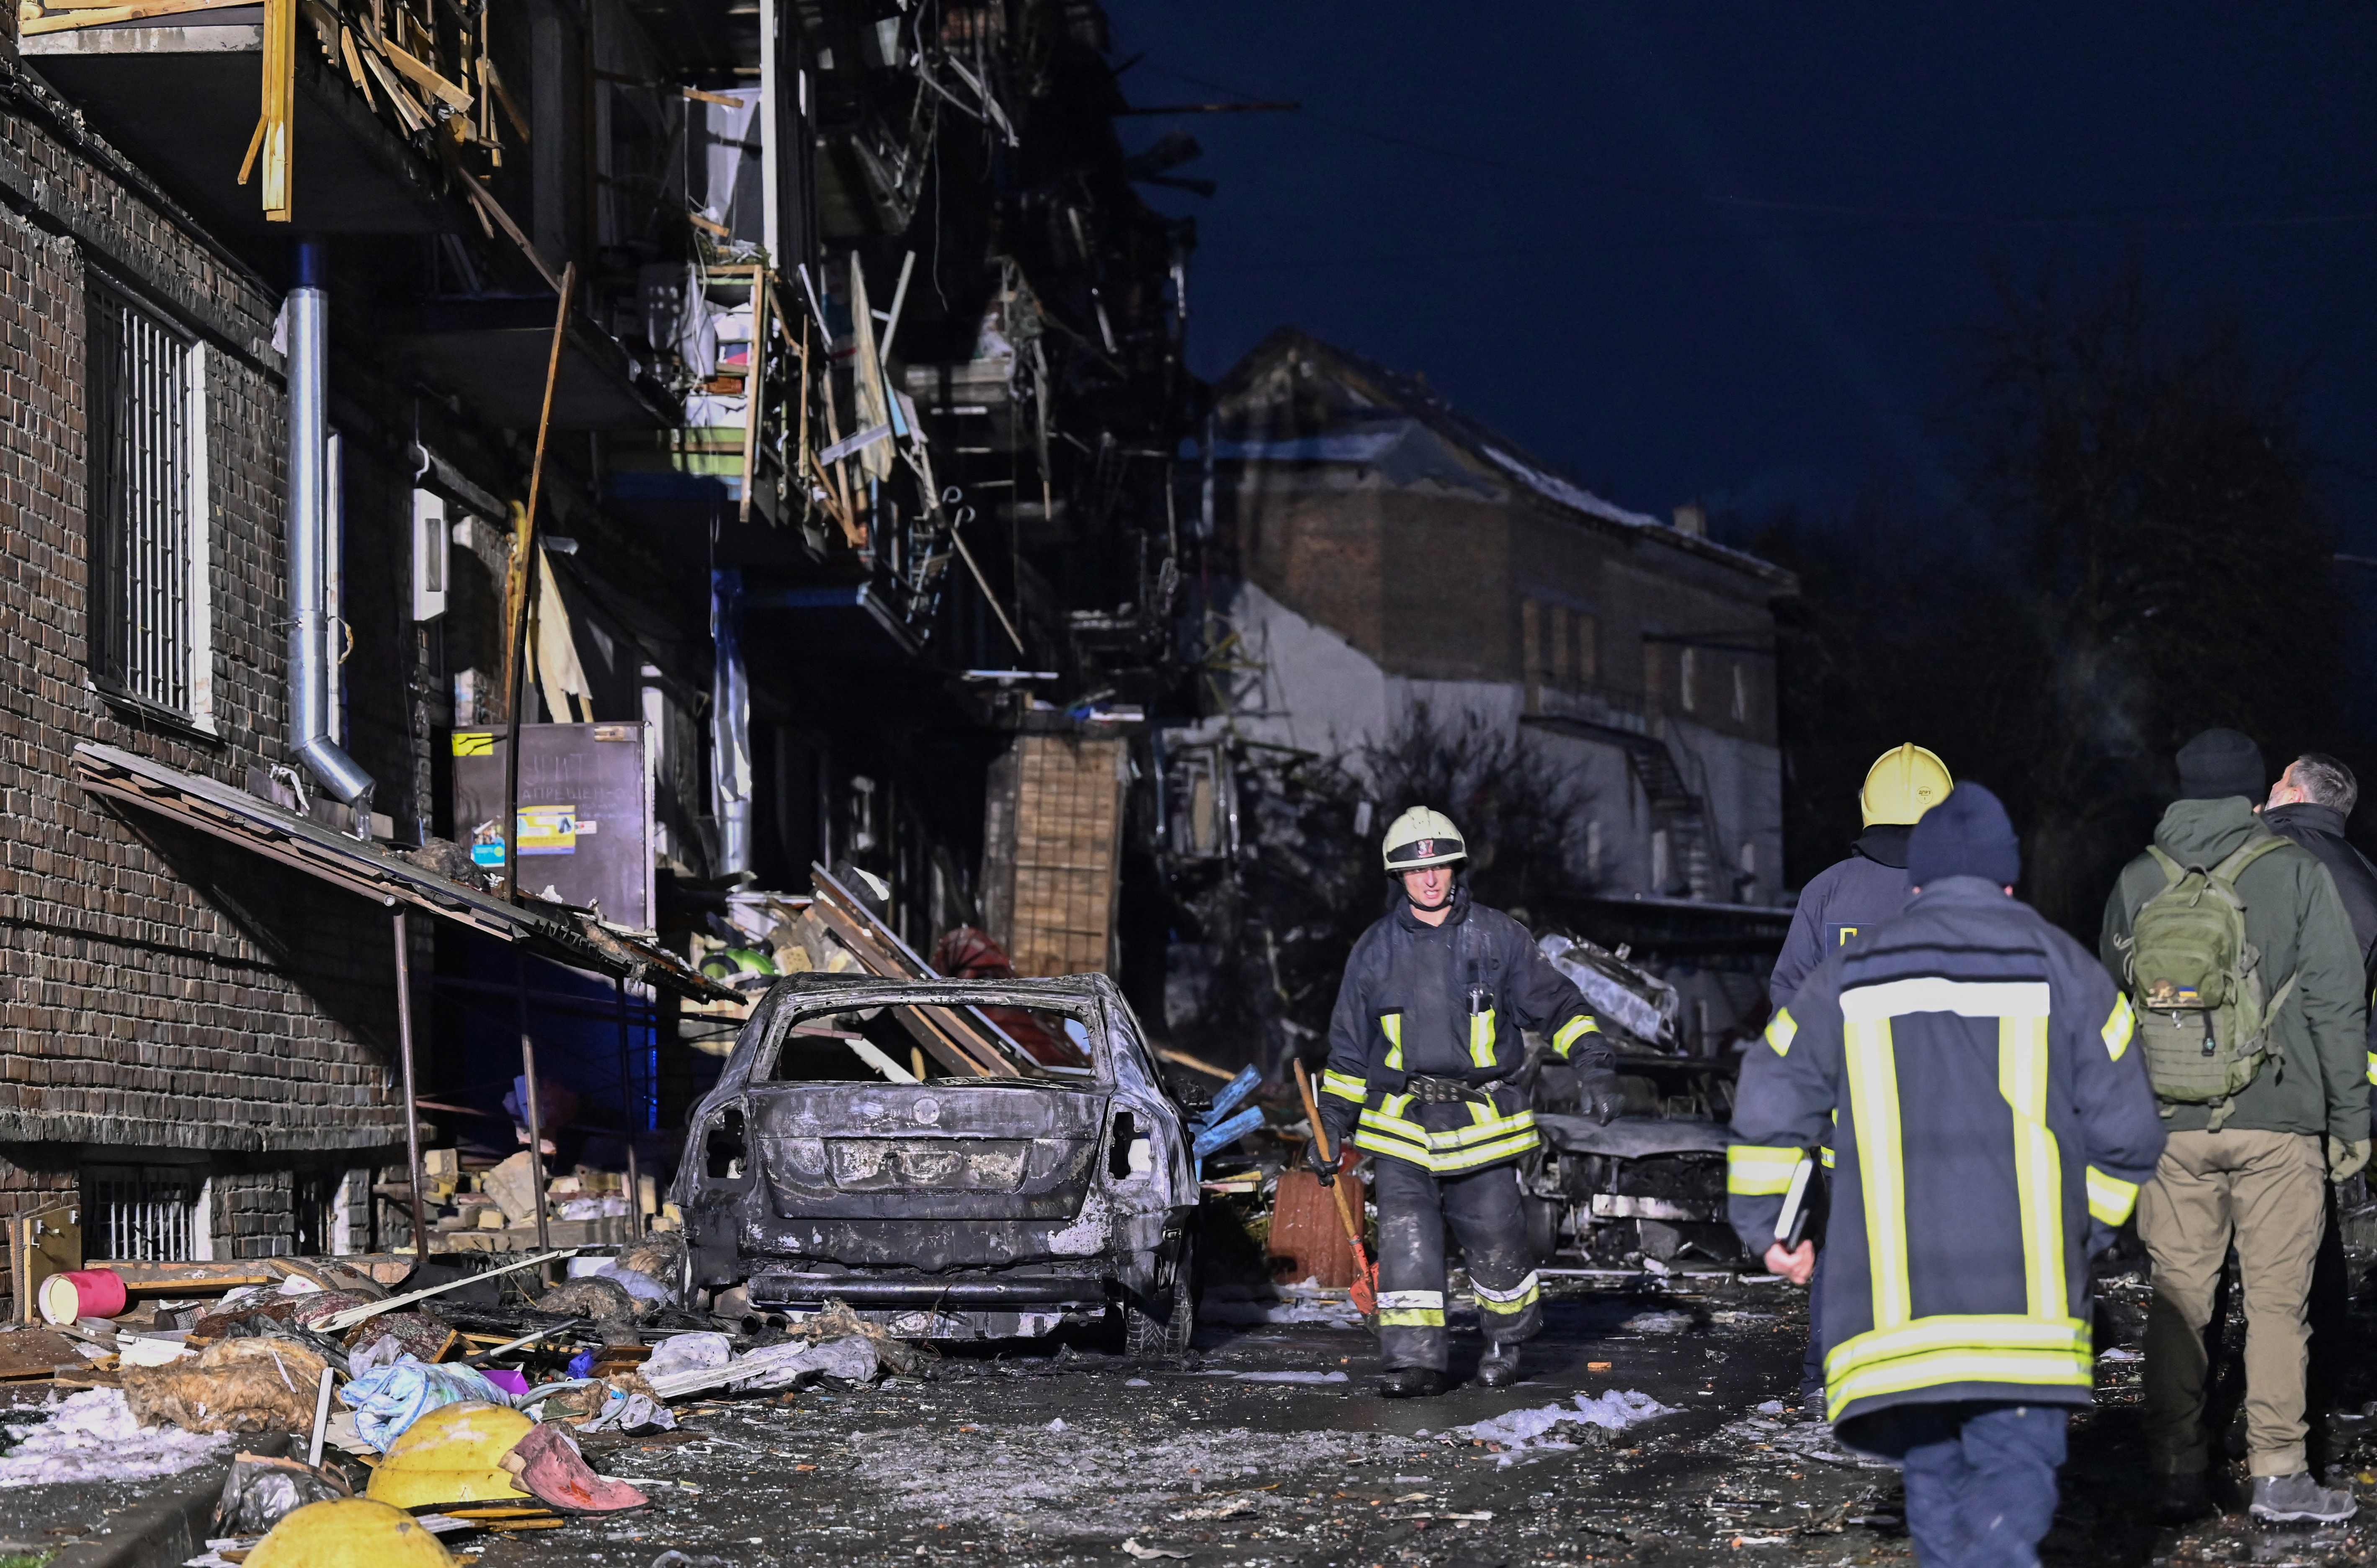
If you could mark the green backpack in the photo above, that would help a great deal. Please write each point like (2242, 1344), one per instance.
(2203, 1010)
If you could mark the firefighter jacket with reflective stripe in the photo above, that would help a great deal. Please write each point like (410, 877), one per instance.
(1994, 1126)
(1447, 1001)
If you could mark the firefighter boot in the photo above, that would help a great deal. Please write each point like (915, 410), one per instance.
(1499, 1367)
(1412, 1383)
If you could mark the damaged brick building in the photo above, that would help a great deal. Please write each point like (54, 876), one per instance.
(807, 376)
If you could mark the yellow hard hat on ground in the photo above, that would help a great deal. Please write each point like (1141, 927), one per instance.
(452, 1454)
(1422, 837)
(1904, 783)
(349, 1532)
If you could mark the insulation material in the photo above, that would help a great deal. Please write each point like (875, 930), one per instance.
(94, 1436)
(236, 1385)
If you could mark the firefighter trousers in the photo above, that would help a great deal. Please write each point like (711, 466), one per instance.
(1482, 1207)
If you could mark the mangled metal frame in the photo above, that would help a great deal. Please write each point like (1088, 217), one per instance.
(1059, 1194)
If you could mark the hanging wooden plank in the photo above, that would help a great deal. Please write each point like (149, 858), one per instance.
(755, 394)
(279, 107)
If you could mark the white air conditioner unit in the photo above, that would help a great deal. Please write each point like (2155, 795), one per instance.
(431, 540)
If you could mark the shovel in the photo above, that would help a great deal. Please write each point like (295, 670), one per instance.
(1365, 1290)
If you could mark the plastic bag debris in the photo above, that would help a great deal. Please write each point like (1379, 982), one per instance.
(548, 1465)
(1148, 1553)
(239, 1385)
(1519, 1431)
(512, 1381)
(633, 1415)
(851, 1360)
(261, 1491)
(389, 1399)
(94, 1436)
(688, 1352)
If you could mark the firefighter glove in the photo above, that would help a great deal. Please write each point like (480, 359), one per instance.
(1597, 1093)
(2345, 1159)
(1324, 1169)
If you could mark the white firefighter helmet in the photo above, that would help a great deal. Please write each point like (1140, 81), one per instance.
(1422, 837)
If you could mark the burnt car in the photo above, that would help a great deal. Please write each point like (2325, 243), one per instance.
(835, 1162)
(1650, 1181)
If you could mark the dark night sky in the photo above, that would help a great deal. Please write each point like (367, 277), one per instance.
(1726, 252)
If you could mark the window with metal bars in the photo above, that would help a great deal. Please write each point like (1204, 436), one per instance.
(142, 1213)
(148, 610)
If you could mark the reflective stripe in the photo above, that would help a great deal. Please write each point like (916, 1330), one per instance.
(1446, 1162)
(1394, 1024)
(1344, 1085)
(1969, 999)
(1411, 1318)
(2123, 1023)
(1938, 1351)
(1412, 1299)
(2110, 1199)
(1873, 1103)
(2372, 1066)
(1781, 1030)
(1564, 1040)
(2038, 1163)
(1481, 1039)
(1828, 1158)
(1517, 1298)
(1755, 1171)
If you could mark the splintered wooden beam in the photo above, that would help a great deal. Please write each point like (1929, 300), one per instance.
(422, 77)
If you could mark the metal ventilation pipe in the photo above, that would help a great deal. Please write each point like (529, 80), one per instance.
(309, 628)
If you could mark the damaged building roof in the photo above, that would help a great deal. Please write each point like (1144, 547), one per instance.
(1297, 399)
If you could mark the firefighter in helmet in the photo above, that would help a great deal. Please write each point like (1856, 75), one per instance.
(1426, 1073)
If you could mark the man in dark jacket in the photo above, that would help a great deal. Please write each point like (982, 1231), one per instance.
(2248, 1170)
(2309, 803)
(1425, 1051)
(1994, 1125)
(1841, 902)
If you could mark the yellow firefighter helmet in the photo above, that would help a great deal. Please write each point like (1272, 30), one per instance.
(452, 1454)
(349, 1532)
(1904, 783)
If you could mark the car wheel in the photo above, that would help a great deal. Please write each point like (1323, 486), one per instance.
(1148, 1337)
(1543, 1218)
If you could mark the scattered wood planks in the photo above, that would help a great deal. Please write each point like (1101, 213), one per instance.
(960, 1039)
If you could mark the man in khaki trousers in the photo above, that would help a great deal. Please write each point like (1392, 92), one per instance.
(2250, 1171)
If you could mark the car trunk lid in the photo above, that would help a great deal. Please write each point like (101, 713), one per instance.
(926, 1151)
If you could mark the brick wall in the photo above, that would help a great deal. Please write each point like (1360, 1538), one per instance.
(253, 1216)
(156, 988)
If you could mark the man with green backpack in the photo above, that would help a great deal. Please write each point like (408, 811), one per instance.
(2241, 966)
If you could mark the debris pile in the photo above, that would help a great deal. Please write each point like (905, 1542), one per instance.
(455, 1405)
(477, 1204)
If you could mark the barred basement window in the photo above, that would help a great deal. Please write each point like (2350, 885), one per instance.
(148, 613)
(142, 1213)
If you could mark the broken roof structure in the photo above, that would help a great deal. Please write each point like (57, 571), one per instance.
(1295, 399)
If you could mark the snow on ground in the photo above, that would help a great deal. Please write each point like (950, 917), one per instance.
(93, 1436)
